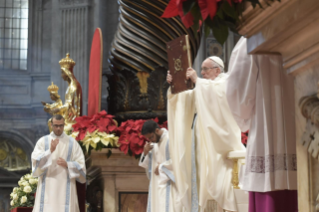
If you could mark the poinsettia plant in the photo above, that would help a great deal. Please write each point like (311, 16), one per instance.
(131, 139)
(244, 137)
(217, 16)
(96, 132)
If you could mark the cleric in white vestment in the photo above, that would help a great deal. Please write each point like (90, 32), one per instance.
(158, 164)
(58, 161)
(261, 102)
(202, 170)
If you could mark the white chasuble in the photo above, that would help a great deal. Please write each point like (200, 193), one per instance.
(162, 189)
(202, 170)
(56, 189)
(260, 95)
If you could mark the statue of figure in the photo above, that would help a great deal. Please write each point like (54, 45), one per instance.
(54, 95)
(73, 97)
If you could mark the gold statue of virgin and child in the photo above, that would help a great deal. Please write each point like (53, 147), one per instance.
(73, 97)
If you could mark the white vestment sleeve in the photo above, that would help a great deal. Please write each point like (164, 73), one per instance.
(41, 158)
(144, 162)
(241, 87)
(166, 172)
(180, 115)
(76, 166)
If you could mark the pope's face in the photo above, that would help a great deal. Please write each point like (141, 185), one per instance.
(57, 126)
(209, 70)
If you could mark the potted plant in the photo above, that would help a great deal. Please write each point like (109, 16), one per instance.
(22, 197)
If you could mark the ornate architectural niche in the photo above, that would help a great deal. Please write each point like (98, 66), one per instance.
(309, 106)
(138, 59)
(15, 151)
(12, 156)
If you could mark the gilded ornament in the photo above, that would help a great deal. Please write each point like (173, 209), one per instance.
(49, 108)
(142, 77)
(3, 154)
(178, 64)
(72, 106)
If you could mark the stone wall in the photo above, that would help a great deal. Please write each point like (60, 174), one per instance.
(55, 28)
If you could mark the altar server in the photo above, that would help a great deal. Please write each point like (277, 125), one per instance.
(58, 161)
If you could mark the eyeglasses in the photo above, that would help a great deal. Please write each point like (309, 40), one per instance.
(206, 69)
(58, 126)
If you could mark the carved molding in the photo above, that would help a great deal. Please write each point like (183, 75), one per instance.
(309, 108)
(289, 28)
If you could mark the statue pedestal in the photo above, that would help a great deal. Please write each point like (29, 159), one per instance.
(290, 28)
(120, 175)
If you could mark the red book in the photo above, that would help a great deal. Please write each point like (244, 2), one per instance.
(179, 59)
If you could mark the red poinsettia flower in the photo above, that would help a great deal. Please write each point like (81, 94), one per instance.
(131, 137)
(138, 138)
(136, 149)
(81, 135)
(174, 8)
(124, 142)
(208, 7)
(111, 128)
(244, 137)
(138, 125)
(101, 121)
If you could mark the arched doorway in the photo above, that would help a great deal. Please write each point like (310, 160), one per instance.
(15, 161)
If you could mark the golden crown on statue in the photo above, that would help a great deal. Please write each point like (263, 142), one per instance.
(53, 88)
(67, 62)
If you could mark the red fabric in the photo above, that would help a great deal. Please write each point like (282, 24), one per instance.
(22, 209)
(273, 201)
(81, 191)
(95, 73)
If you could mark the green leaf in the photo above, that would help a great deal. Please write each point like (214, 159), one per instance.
(195, 27)
(195, 11)
(188, 5)
(109, 153)
(206, 30)
(220, 14)
(209, 23)
(229, 10)
(220, 31)
(232, 26)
